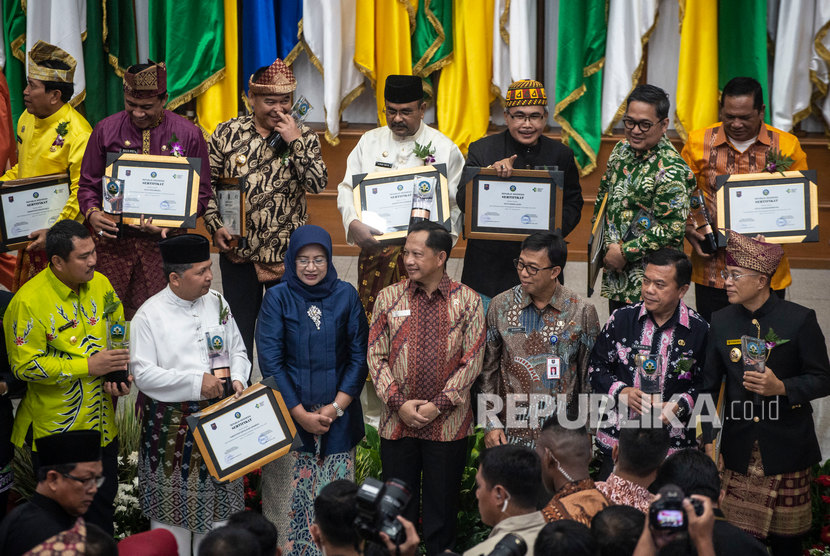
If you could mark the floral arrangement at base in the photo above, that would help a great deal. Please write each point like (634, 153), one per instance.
(817, 541)
(253, 490)
(129, 519)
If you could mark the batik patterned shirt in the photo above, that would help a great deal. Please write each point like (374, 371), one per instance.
(51, 332)
(656, 181)
(626, 493)
(579, 500)
(427, 348)
(632, 332)
(275, 186)
(521, 339)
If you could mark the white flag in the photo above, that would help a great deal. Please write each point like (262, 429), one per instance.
(791, 86)
(60, 23)
(630, 25)
(514, 42)
(329, 37)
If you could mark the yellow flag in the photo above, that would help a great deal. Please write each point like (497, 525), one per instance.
(220, 102)
(383, 42)
(464, 93)
(697, 72)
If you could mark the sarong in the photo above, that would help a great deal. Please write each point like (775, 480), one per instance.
(134, 267)
(28, 265)
(765, 505)
(377, 269)
(174, 485)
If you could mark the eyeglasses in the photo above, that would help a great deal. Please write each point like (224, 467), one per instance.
(536, 117)
(316, 261)
(644, 125)
(87, 483)
(735, 276)
(531, 270)
(391, 113)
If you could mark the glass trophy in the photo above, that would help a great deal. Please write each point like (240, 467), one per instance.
(423, 199)
(118, 337)
(220, 361)
(754, 357)
(651, 378)
(299, 112)
(112, 200)
(641, 224)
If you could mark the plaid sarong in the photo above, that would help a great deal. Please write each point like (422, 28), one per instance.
(376, 270)
(764, 505)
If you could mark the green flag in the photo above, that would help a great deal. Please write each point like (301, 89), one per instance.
(189, 36)
(110, 46)
(432, 39)
(14, 37)
(742, 49)
(579, 61)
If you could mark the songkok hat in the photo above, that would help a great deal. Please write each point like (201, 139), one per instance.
(401, 89)
(746, 252)
(149, 82)
(69, 447)
(185, 249)
(42, 52)
(526, 92)
(278, 79)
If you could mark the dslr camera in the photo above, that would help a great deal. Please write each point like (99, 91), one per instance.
(667, 513)
(378, 507)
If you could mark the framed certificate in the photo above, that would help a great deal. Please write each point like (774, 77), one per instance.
(165, 188)
(230, 198)
(386, 200)
(596, 247)
(784, 208)
(30, 204)
(238, 436)
(513, 208)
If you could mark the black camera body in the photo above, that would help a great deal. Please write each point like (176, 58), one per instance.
(378, 507)
(667, 513)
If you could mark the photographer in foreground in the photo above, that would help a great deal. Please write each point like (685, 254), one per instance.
(334, 530)
(678, 521)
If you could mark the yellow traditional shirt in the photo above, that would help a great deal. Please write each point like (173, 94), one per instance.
(50, 333)
(35, 139)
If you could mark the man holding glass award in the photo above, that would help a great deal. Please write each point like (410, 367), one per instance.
(772, 355)
(278, 160)
(648, 358)
(186, 353)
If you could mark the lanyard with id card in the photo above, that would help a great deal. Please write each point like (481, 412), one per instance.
(554, 362)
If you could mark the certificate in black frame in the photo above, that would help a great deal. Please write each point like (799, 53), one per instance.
(33, 184)
(472, 230)
(198, 422)
(361, 183)
(810, 232)
(186, 217)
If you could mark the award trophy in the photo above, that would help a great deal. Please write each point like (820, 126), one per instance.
(113, 200)
(651, 379)
(754, 357)
(220, 362)
(641, 224)
(299, 112)
(422, 199)
(703, 224)
(118, 337)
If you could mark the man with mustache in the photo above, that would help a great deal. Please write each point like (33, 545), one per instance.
(131, 259)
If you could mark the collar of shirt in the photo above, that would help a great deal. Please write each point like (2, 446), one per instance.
(645, 155)
(764, 309)
(176, 300)
(555, 301)
(721, 138)
(62, 289)
(527, 153)
(443, 287)
(61, 114)
(414, 138)
(680, 316)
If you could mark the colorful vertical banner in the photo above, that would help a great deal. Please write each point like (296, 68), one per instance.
(697, 74)
(221, 101)
(742, 49)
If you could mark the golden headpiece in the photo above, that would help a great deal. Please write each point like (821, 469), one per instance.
(278, 79)
(43, 51)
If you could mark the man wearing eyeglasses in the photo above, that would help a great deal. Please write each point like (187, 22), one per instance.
(539, 336)
(768, 443)
(739, 144)
(487, 263)
(648, 186)
(649, 356)
(69, 473)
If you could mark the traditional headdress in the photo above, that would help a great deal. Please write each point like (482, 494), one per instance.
(42, 52)
(401, 89)
(278, 79)
(69, 447)
(526, 92)
(755, 255)
(185, 249)
(149, 82)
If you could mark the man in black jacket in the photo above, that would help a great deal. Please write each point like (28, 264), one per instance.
(769, 441)
(488, 264)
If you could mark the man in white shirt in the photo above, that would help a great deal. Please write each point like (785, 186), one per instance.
(186, 346)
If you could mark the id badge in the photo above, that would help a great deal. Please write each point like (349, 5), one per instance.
(554, 365)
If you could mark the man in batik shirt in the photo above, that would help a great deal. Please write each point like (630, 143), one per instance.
(132, 260)
(539, 336)
(648, 186)
(275, 181)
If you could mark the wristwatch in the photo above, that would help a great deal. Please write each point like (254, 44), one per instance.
(338, 409)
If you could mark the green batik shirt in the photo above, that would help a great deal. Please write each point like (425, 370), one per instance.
(658, 181)
(51, 332)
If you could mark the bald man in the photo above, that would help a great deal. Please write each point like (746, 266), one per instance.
(565, 455)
